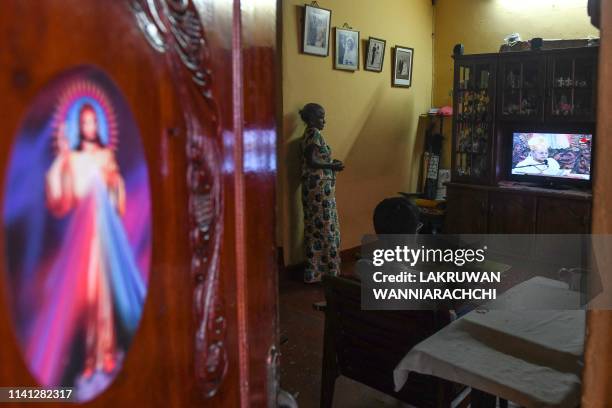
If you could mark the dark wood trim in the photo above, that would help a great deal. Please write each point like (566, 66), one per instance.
(239, 187)
(259, 88)
(597, 374)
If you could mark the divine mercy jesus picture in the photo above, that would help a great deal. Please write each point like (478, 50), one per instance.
(77, 222)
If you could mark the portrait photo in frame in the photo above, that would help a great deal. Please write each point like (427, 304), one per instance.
(375, 54)
(315, 34)
(346, 51)
(402, 66)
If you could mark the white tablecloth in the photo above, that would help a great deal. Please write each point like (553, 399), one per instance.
(531, 357)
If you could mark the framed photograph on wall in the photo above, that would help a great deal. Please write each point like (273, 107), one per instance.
(375, 54)
(317, 23)
(402, 66)
(346, 52)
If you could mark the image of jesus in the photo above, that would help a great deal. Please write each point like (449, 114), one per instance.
(85, 182)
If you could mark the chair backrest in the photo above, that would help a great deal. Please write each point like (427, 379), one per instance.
(369, 344)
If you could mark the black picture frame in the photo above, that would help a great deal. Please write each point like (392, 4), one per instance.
(370, 55)
(314, 19)
(342, 61)
(400, 76)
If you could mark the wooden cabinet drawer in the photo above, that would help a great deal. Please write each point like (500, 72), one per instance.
(495, 211)
(558, 216)
(467, 211)
(511, 213)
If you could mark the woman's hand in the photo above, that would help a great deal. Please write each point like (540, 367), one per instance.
(337, 165)
(315, 163)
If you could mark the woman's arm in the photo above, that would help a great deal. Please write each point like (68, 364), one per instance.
(313, 161)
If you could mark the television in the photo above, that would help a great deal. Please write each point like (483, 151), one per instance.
(554, 159)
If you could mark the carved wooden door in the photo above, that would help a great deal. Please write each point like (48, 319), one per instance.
(138, 194)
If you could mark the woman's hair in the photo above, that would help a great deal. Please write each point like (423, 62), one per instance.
(87, 108)
(396, 215)
(307, 113)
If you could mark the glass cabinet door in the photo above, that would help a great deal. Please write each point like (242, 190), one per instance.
(572, 85)
(522, 89)
(474, 102)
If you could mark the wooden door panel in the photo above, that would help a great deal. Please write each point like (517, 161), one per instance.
(208, 330)
(260, 64)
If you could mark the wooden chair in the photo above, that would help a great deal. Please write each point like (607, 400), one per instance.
(367, 345)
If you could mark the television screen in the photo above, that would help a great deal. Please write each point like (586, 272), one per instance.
(552, 155)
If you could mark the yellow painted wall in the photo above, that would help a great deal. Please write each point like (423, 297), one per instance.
(481, 25)
(371, 126)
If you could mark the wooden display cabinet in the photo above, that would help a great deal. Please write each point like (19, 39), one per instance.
(494, 95)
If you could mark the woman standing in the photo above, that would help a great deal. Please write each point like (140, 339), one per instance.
(321, 227)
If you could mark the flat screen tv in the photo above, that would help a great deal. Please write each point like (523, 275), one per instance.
(552, 158)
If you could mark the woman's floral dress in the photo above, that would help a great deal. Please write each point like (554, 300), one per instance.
(321, 227)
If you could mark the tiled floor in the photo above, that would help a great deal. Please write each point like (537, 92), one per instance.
(302, 352)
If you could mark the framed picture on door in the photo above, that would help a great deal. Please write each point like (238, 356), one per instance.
(402, 66)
